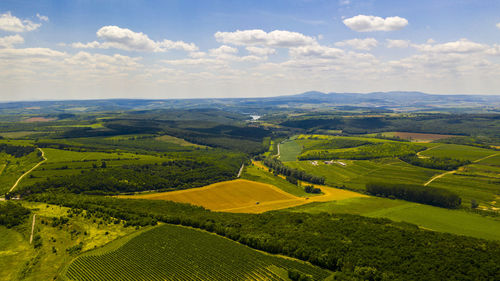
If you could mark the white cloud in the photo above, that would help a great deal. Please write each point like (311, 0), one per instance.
(276, 38)
(498, 25)
(99, 61)
(10, 23)
(126, 39)
(359, 44)
(30, 52)
(223, 50)
(494, 50)
(260, 51)
(363, 23)
(90, 45)
(398, 43)
(42, 18)
(316, 51)
(460, 46)
(9, 41)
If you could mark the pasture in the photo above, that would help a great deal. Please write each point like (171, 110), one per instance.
(289, 150)
(169, 252)
(12, 168)
(15, 251)
(428, 217)
(59, 242)
(459, 152)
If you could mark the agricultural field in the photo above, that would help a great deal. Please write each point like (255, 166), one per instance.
(170, 252)
(289, 150)
(355, 174)
(61, 163)
(244, 196)
(414, 137)
(427, 217)
(12, 168)
(459, 152)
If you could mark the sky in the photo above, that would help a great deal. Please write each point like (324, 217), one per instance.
(89, 49)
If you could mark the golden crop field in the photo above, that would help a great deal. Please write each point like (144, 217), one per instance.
(244, 196)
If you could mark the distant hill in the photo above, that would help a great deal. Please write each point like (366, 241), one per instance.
(397, 100)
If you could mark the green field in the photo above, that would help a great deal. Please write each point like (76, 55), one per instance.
(356, 173)
(429, 217)
(289, 150)
(459, 152)
(14, 252)
(170, 252)
(255, 173)
(64, 163)
(12, 168)
(20, 259)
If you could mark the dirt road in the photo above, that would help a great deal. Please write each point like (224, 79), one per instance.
(29, 171)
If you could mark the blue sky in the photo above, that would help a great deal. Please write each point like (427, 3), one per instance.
(188, 49)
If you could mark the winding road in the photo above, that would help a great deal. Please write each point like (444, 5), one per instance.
(29, 171)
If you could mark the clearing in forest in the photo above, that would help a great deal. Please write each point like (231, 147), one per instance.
(244, 196)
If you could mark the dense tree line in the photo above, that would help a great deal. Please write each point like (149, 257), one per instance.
(371, 151)
(279, 168)
(444, 163)
(16, 150)
(169, 175)
(358, 248)
(416, 193)
(336, 143)
(12, 214)
(441, 123)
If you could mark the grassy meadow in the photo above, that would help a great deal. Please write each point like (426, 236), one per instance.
(428, 217)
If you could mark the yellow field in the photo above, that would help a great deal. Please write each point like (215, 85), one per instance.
(244, 196)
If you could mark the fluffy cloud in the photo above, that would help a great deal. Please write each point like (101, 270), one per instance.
(398, 43)
(260, 51)
(126, 39)
(223, 51)
(42, 18)
(363, 23)
(30, 52)
(359, 44)
(10, 23)
(9, 41)
(498, 25)
(276, 38)
(99, 61)
(315, 51)
(460, 46)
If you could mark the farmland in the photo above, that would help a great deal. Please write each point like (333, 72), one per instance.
(427, 217)
(114, 185)
(243, 196)
(178, 253)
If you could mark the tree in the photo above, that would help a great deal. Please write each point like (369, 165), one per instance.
(474, 204)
